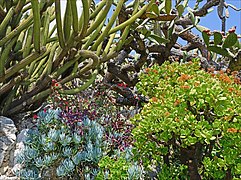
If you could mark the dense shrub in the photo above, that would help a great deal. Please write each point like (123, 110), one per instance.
(191, 123)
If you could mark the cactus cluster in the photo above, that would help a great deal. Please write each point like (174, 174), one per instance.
(32, 54)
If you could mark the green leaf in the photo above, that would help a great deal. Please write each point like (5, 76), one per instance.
(219, 50)
(155, 9)
(217, 38)
(157, 39)
(230, 40)
(168, 6)
(200, 28)
(205, 38)
(180, 9)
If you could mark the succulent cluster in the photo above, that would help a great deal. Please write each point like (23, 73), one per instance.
(192, 121)
(72, 135)
(55, 148)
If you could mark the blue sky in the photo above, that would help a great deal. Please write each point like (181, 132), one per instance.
(213, 22)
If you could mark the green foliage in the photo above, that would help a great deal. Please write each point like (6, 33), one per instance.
(193, 118)
(119, 167)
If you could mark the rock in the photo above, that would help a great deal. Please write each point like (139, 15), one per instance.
(7, 144)
(18, 149)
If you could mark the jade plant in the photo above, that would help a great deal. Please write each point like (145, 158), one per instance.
(192, 122)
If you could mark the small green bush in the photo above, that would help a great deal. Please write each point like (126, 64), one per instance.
(192, 122)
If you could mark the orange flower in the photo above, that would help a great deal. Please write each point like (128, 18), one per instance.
(177, 102)
(185, 87)
(184, 77)
(230, 90)
(197, 83)
(232, 130)
(154, 99)
(155, 71)
(167, 114)
(225, 78)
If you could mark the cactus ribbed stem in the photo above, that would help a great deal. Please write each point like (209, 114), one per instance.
(100, 18)
(17, 30)
(6, 20)
(109, 25)
(81, 88)
(75, 16)
(85, 17)
(97, 10)
(23, 63)
(131, 20)
(59, 24)
(36, 24)
(67, 21)
(5, 54)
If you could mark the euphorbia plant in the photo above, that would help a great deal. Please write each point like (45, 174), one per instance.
(192, 122)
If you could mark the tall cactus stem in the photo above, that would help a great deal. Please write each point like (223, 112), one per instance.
(17, 30)
(67, 20)
(75, 16)
(109, 25)
(97, 10)
(36, 24)
(6, 20)
(131, 20)
(59, 24)
(100, 17)
(5, 54)
(85, 15)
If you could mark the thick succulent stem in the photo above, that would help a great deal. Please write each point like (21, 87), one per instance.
(59, 24)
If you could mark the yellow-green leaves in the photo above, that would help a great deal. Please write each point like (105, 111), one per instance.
(168, 6)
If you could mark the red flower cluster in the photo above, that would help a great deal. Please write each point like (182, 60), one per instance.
(122, 85)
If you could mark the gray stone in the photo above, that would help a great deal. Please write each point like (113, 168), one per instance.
(7, 143)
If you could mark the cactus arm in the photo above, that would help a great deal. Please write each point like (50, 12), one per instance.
(59, 24)
(7, 87)
(93, 36)
(17, 30)
(27, 45)
(46, 27)
(127, 28)
(107, 47)
(39, 66)
(75, 15)
(9, 98)
(97, 10)
(100, 18)
(81, 88)
(36, 24)
(52, 30)
(23, 63)
(5, 54)
(29, 101)
(50, 59)
(67, 21)
(85, 15)
(6, 20)
(62, 69)
(131, 20)
(109, 25)
(19, 6)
